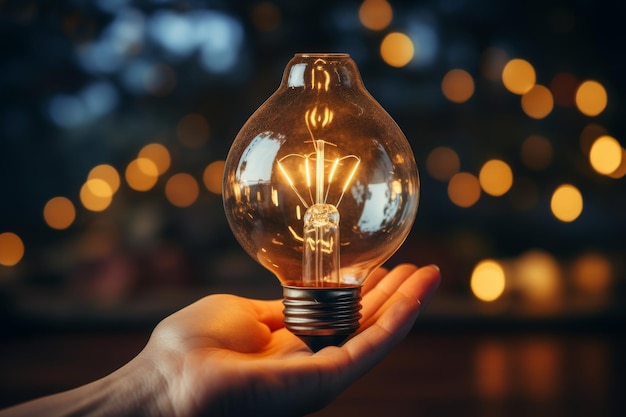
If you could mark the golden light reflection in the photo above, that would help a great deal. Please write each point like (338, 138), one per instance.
(266, 16)
(488, 280)
(566, 203)
(96, 195)
(457, 85)
(397, 49)
(182, 190)
(540, 369)
(106, 173)
(620, 172)
(158, 154)
(212, 177)
(536, 152)
(493, 370)
(495, 177)
(375, 14)
(591, 98)
(11, 249)
(193, 130)
(464, 189)
(442, 163)
(59, 213)
(592, 274)
(518, 76)
(141, 174)
(538, 277)
(605, 155)
(537, 102)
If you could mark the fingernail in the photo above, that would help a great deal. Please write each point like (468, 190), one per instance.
(435, 267)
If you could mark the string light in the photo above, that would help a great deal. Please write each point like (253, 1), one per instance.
(397, 49)
(182, 190)
(495, 177)
(212, 177)
(158, 154)
(591, 98)
(566, 203)
(518, 76)
(11, 249)
(457, 85)
(59, 213)
(488, 280)
(375, 14)
(464, 189)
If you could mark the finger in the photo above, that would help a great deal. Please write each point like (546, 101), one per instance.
(269, 312)
(395, 321)
(373, 280)
(418, 286)
(384, 288)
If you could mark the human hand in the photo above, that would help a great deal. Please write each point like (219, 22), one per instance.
(227, 355)
(231, 356)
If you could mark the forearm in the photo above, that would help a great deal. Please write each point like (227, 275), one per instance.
(135, 389)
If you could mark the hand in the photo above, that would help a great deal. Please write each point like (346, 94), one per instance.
(227, 355)
(232, 356)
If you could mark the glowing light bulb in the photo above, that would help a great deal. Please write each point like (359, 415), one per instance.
(321, 188)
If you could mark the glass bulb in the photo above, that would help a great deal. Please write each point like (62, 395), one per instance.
(321, 188)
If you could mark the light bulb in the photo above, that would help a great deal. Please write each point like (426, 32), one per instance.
(321, 188)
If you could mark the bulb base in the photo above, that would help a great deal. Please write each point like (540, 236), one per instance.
(322, 316)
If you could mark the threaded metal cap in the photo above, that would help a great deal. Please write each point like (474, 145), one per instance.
(322, 316)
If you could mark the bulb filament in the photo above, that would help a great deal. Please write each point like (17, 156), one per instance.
(319, 174)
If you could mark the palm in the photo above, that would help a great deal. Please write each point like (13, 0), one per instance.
(264, 369)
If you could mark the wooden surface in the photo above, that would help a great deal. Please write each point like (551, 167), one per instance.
(432, 373)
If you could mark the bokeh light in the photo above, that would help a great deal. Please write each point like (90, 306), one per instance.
(182, 190)
(106, 173)
(518, 76)
(158, 154)
(537, 102)
(11, 249)
(605, 155)
(266, 16)
(592, 274)
(96, 194)
(620, 172)
(488, 280)
(141, 174)
(59, 213)
(591, 98)
(588, 136)
(495, 177)
(464, 189)
(193, 131)
(536, 152)
(212, 177)
(442, 163)
(375, 14)
(457, 85)
(566, 203)
(538, 277)
(397, 49)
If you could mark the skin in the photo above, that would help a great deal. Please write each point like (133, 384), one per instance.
(230, 356)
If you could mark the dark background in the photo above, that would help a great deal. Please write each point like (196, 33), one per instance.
(82, 300)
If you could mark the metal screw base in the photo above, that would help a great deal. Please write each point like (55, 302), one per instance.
(322, 316)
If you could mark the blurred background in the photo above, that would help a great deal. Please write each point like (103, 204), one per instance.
(116, 117)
